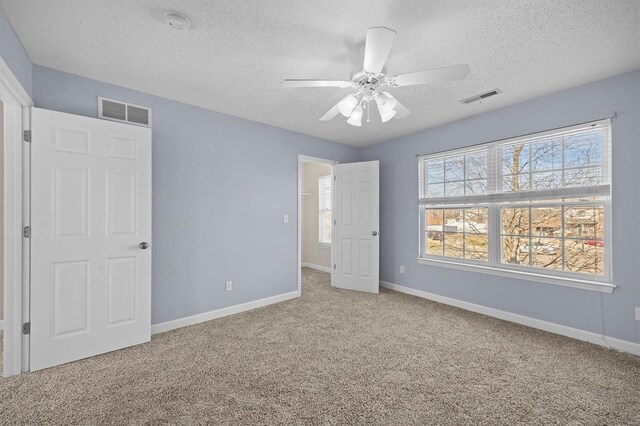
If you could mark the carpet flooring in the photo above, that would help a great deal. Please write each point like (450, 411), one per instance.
(336, 357)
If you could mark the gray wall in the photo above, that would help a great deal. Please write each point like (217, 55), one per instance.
(609, 314)
(221, 186)
(13, 54)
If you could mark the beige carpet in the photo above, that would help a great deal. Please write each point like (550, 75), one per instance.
(338, 358)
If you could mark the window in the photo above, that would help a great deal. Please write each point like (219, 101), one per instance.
(535, 204)
(324, 203)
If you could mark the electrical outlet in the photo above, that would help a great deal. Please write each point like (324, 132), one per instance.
(402, 269)
(228, 286)
(637, 313)
(286, 218)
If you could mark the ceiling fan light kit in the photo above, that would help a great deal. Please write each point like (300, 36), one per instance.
(372, 79)
(347, 105)
(355, 118)
(388, 116)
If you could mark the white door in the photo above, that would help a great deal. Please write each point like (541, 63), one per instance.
(357, 214)
(90, 218)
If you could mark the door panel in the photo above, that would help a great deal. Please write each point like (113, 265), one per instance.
(121, 280)
(70, 201)
(121, 202)
(357, 226)
(90, 209)
(70, 299)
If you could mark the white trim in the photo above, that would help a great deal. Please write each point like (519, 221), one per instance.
(575, 333)
(308, 159)
(12, 84)
(222, 312)
(16, 102)
(524, 275)
(316, 267)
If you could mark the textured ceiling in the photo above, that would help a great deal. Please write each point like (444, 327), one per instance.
(238, 52)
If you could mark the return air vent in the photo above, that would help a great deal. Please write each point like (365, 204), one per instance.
(123, 112)
(481, 96)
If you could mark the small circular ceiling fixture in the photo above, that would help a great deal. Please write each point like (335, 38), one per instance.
(177, 21)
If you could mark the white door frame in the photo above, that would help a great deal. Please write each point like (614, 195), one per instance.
(332, 163)
(16, 102)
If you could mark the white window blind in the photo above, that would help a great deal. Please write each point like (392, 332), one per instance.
(324, 203)
(566, 163)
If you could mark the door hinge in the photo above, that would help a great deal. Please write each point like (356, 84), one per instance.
(26, 135)
(334, 177)
(26, 328)
(334, 266)
(334, 221)
(26, 231)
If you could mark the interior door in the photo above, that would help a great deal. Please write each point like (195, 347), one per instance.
(357, 214)
(90, 237)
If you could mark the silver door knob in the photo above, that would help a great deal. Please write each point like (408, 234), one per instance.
(143, 245)
(374, 233)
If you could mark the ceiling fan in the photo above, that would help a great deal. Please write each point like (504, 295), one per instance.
(371, 81)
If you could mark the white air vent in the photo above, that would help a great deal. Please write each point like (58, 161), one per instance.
(123, 112)
(481, 96)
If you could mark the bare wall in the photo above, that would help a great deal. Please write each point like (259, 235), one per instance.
(221, 186)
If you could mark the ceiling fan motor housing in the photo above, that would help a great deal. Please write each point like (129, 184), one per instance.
(368, 81)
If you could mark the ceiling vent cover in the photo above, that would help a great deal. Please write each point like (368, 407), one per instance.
(109, 109)
(481, 96)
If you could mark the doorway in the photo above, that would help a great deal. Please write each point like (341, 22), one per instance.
(15, 248)
(315, 215)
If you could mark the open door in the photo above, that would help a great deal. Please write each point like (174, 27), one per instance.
(90, 237)
(357, 226)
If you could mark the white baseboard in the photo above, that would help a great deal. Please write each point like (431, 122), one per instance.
(222, 312)
(1, 324)
(575, 333)
(316, 267)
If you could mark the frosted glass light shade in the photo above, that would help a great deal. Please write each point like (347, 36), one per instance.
(356, 117)
(388, 116)
(347, 105)
(385, 103)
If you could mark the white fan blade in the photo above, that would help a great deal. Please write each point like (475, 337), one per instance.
(436, 75)
(401, 110)
(335, 110)
(316, 83)
(377, 47)
(331, 113)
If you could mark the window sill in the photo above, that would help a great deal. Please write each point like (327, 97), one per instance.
(324, 246)
(529, 276)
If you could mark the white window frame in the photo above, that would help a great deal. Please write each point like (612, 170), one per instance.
(494, 264)
(322, 211)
